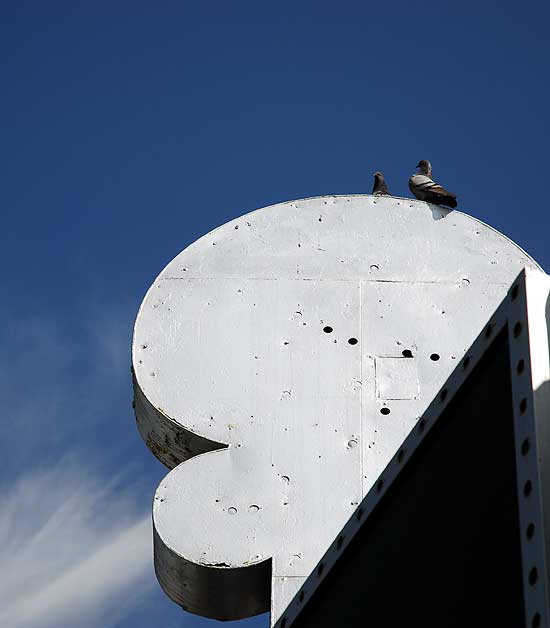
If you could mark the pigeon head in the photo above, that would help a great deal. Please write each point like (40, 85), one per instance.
(424, 166)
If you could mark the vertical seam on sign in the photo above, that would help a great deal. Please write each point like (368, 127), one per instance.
(361, 354)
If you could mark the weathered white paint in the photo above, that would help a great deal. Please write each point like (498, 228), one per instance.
(232, 361)
(538, 310)
(529, 316)
(524, 314)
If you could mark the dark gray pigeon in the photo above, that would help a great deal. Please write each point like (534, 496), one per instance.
(379, 186)
(425, 189)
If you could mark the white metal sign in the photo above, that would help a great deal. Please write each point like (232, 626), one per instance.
(279, 363)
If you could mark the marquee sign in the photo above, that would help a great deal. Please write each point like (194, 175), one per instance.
(279, 363)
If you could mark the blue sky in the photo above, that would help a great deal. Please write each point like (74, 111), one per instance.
(129, 130)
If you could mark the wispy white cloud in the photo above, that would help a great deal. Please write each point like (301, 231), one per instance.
(75, 537)
(73, 552)
(75, 533)
(61, 385)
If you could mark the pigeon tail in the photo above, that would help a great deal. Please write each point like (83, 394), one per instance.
(442, 199)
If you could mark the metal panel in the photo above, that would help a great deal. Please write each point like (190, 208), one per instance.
(433, 323)
(441, 548)
(255, 357)
(530, 370)
(465, 498)
(396, 378)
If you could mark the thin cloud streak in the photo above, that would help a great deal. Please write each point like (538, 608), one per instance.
(74, 552)
(66, 388)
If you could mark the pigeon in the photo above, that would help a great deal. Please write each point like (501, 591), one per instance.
(379, 186)
(425, 189)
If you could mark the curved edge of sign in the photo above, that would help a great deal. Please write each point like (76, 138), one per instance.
(216, 591)
(168, 441)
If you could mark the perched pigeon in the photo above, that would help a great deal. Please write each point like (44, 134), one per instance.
(379, 186)
(425, 189)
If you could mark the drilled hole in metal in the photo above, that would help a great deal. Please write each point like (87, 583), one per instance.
(523, 406)
(301, 596)
(466, 363)
(525, 447)
(520, 367)
(407, 353)
(385, 410)
(328, 329)
(400, 455)
(515, 292)
(527, 488)
(488, 331)
(434, 357)
(379, 486)
(517, 329)
(353, 341)
(530, 532)
(533, 576)
(320, 569)
(340, 542)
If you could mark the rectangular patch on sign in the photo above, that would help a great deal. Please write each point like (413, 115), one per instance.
(396, 378)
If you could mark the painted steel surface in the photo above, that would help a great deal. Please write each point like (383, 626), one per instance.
(295, 348)
(498, 393)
